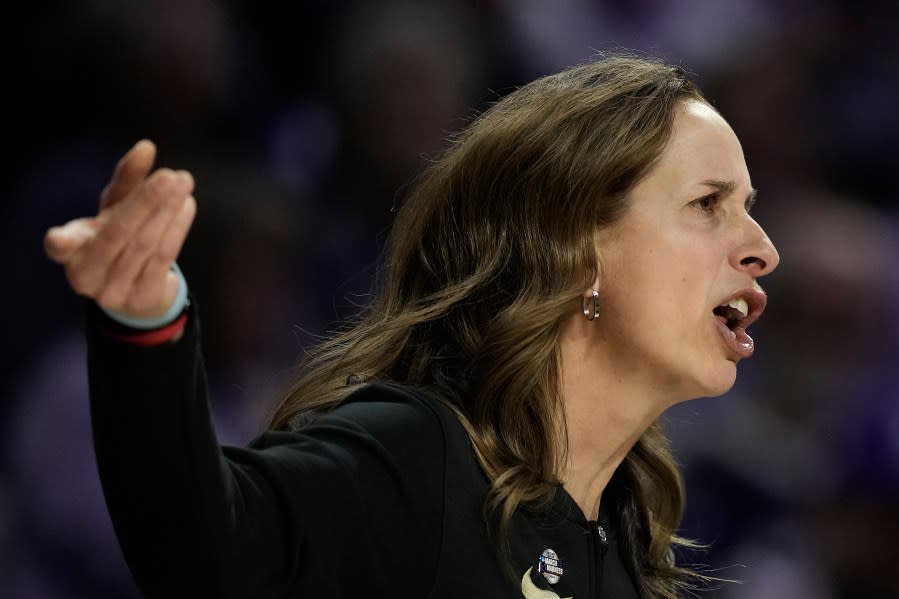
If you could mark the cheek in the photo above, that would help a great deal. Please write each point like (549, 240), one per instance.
(651, 293)
(671, 293)
(661, 280)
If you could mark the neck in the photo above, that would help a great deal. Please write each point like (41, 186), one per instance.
(606, 413)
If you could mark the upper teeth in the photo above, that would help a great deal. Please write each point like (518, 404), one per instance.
(740, 306)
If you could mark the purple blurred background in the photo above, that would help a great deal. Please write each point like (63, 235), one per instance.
(304, 122)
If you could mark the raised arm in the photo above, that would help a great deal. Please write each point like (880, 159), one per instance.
(328, 511)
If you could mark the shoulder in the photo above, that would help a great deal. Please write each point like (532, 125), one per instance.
(400, 416)
(388, 404)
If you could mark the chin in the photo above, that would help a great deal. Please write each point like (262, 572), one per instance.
(715, 382)
(724, 380)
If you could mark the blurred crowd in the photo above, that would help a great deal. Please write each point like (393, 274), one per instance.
(304, 124)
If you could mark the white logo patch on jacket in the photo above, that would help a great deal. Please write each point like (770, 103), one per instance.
(532, 591)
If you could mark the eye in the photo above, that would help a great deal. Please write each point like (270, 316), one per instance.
(707, 203)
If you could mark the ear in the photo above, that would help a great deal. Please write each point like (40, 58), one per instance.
(588, 293)
(594, 287)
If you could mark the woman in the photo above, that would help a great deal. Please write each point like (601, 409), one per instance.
(580, 259)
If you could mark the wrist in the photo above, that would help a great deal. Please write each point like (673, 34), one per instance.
(156, 322)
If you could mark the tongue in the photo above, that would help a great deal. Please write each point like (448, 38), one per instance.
(736, 339)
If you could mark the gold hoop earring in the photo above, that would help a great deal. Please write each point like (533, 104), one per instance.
(591, 306)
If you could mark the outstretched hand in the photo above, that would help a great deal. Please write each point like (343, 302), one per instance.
(122, 257)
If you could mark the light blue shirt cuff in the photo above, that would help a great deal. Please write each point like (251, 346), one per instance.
(157, 321)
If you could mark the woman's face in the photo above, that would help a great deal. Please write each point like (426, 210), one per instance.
(685, 246)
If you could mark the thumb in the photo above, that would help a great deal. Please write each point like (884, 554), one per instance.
(60, 243)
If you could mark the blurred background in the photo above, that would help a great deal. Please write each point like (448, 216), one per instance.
(304, 123)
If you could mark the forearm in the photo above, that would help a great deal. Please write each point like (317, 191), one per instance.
(195, 519)
(167, 487)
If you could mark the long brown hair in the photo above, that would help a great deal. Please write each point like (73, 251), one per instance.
(488, 254)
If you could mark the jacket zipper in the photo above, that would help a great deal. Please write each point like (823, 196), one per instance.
(598, 547)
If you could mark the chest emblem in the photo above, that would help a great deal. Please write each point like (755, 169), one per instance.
(550, 566)
(532, 591)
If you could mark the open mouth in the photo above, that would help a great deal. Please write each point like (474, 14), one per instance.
(732, 313)
(735, 314)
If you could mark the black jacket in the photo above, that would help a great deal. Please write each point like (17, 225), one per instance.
(380, 497)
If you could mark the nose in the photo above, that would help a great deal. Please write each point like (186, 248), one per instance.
(756, 255)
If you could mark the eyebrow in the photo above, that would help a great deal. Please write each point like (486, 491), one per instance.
(727, 187)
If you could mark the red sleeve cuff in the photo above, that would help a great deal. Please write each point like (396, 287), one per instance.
(153, 337)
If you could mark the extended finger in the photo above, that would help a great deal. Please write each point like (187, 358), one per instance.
(145, 294)
(143, 244)
(90, 266)
(131, 170)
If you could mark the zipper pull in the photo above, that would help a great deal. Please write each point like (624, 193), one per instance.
(602, 534)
